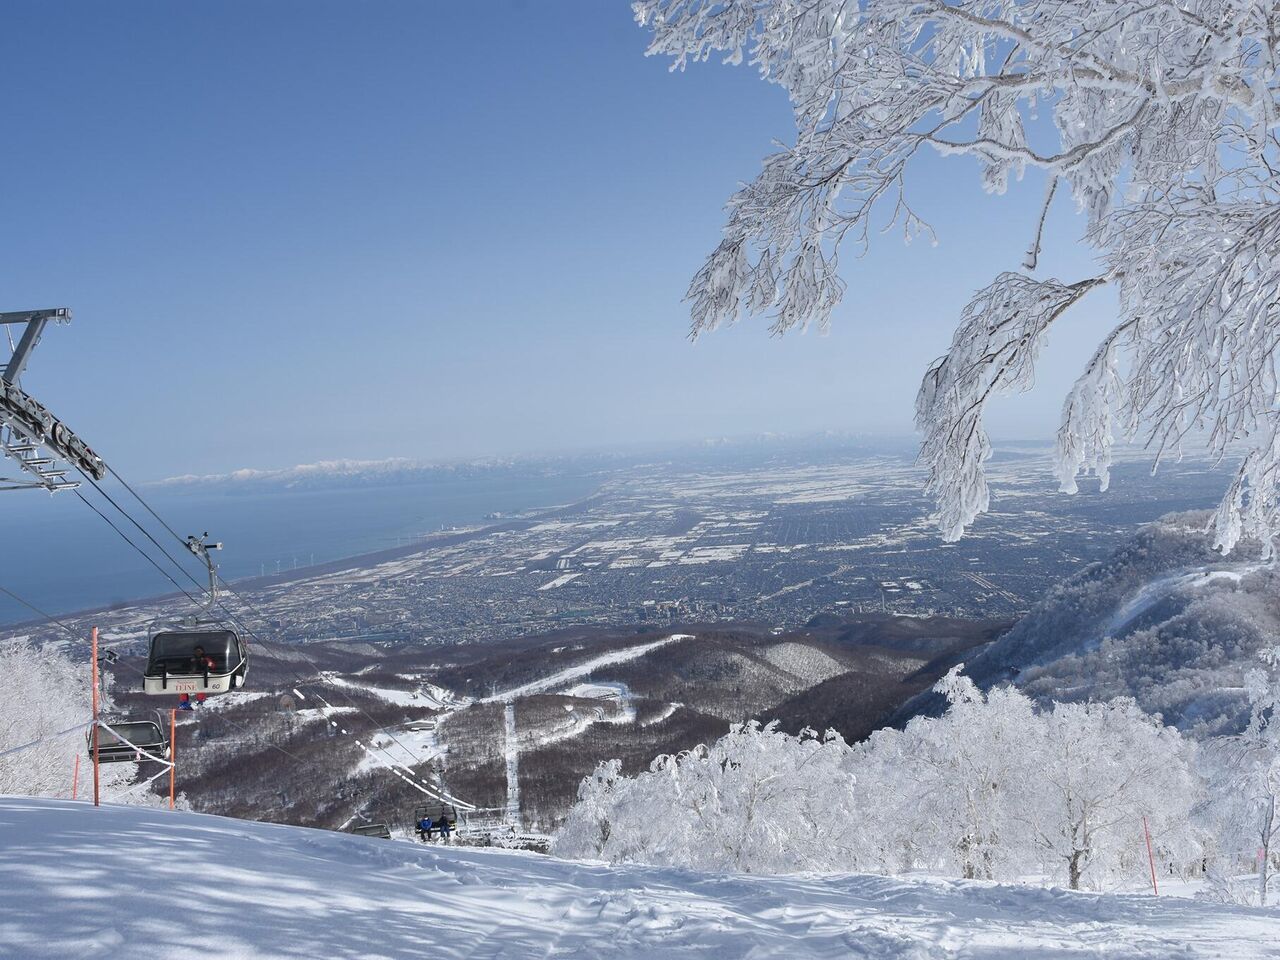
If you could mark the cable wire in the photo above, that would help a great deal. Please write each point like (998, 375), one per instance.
(146, 556)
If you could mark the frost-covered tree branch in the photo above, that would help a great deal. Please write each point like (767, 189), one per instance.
(994, 351)
(1158, 116)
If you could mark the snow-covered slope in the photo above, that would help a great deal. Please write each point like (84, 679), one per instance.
(1165, 619)
(142, 883)
(808, 663)
(585, 668)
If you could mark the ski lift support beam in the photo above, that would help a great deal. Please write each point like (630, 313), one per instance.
(36, 321)
(200, 546)
(26, 425)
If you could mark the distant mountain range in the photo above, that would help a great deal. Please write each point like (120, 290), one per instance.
(755, 448)
(392, 470)
(329, 473)
(1165, 619)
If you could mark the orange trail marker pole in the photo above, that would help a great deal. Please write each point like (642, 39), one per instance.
(75, 777)
(1150, 857)
(173, 752)
(94, 728)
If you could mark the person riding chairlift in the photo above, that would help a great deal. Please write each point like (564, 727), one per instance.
(445, 828)
(201, 662)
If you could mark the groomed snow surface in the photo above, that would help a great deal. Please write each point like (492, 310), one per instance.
(140, 883)
(583, 669)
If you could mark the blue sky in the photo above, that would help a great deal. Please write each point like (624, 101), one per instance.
(298, 230)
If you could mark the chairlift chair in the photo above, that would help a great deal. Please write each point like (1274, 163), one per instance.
(379, 830)
(436, 813)
(121, 741)
(197, 656)
(173, 665)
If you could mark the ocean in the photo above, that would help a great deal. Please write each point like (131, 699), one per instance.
(61, 557)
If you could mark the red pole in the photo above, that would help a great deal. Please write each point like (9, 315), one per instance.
(1150, 857)
(173, 752)
(75, 776)
(94, 728)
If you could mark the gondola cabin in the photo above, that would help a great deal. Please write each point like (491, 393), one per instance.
(195, 660)
(120, 742)
(380, 830)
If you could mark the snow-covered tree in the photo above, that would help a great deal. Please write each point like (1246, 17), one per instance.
(756, 801)
(1104, 767)
(42, 694)
(966, 775)
(996, 789)
(588, 827)
(1245, 777)
(1157, 116)
(993, 789)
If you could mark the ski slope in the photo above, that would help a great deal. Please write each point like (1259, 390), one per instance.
(583, 669)
(1151, 593)
(140, 883)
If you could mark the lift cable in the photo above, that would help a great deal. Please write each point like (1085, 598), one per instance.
(422, 786)
(321, 678)
(36, 610)
(146, 556)
(48, 736)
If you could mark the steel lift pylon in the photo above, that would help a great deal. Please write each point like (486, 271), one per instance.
(30, 436)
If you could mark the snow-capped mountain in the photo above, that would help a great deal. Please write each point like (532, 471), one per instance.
(1165, 619)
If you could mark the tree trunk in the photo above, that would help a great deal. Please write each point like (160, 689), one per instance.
(1268, 820)
(1073, 868)
(968, 870)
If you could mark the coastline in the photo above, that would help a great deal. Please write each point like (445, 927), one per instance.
(357, 561)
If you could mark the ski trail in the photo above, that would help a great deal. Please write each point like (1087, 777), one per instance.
(582, 669)
(1151, 593)
(513, 765)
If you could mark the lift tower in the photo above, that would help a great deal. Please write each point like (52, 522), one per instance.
(40, 444)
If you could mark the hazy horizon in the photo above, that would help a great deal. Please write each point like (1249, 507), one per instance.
(796, 442)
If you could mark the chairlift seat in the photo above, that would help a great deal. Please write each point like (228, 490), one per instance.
(380, 830)
(120, 742)
(171, 665)
(436, 812)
